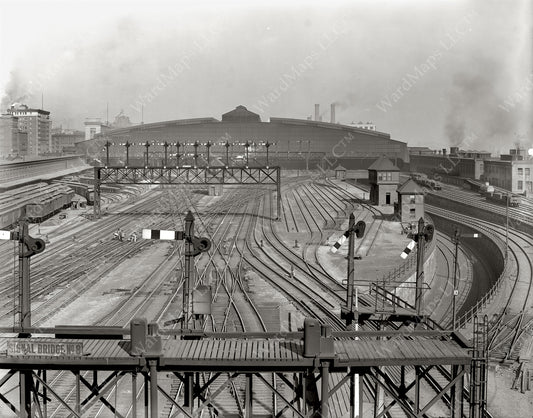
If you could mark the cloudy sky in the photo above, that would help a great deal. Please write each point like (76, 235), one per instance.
(434, 73)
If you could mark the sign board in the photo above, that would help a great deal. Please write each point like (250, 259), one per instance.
(40, 347)
(5, 234)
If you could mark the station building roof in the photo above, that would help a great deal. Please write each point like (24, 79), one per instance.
(410, 187)
(241, 115)
(383, 164)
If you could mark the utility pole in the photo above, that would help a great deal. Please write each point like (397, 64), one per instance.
(507, 226)
(455, 290)
(456, 241)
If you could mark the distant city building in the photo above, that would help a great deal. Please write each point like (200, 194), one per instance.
(457, 162)
(8, 135)
(511, 174)
(64, 140)
(515, 154)
(455, 151)
(37, 124)
(121, 121)
(511, 171)
(421, 151)
(93, 127)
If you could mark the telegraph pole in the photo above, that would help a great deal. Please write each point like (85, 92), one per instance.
(455, 291)
(507, 226)
(456, 240)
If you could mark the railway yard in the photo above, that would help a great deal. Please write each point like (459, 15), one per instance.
(267, 272)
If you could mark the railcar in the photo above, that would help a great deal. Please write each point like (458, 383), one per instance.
(79, 188)
(486, 188)
(504, 199)
(423, 180)
(43, 200)
(435, 185)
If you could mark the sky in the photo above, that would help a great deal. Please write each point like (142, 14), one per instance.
(431, 73)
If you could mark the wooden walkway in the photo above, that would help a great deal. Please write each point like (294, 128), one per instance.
(226, 354)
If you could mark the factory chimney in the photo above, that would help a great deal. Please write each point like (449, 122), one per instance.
(317, 112)
(332, 113)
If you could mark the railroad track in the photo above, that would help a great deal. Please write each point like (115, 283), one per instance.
(516, 214)
(511, 321)
(262, 212)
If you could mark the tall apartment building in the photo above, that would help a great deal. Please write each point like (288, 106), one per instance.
(93, 127)
(13, 142)
(37, 123)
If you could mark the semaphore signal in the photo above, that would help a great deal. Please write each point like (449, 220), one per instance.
(162, 234)
(407, 250)
(339, 242)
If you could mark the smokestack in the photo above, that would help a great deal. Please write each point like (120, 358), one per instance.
(317, 112)
(332, 113)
